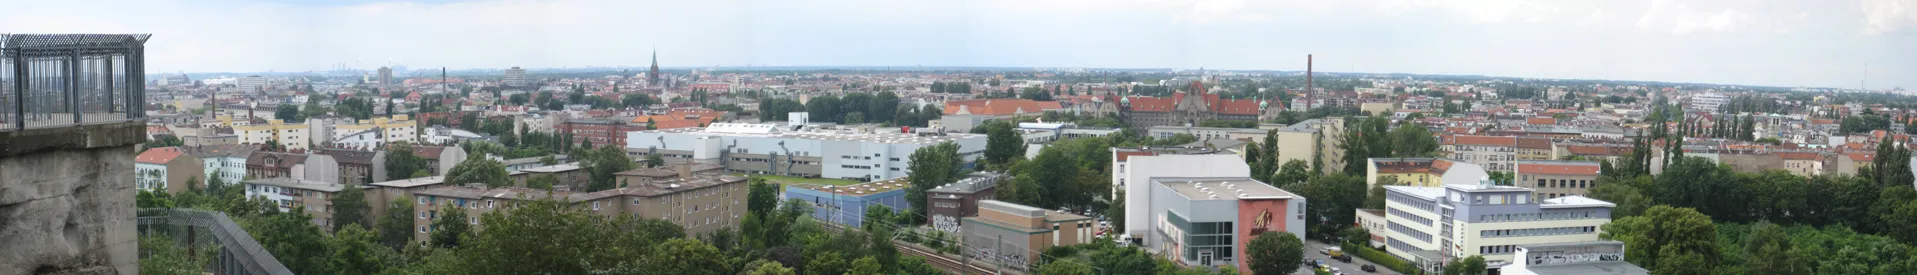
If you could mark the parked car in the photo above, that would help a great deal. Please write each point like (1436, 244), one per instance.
(1324, 251)
(1368, 268)
(1343, 258)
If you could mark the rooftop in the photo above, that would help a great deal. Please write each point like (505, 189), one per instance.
(1583, 168)
(563, 167)
(160, 155)
(298, 184)
(1574, 201)
(1432, 193)
(412, 182)
(862, 188)
(1223, 188)
(972, 183)
(879, 135)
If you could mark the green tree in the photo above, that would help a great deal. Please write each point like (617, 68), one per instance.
(1770, 252)
(1375, 198)
(293, 239)
(165, 258)
(396, 227)
(1665, 232)
(542, 182)
(1473, 265)
(356, 251)
(654, 161)
(400, 160)
(826, 263)
(1630, 201)
(1412, 140)
(1294, 171)
(1275, 253)
(765, 267)
(349, 207)
(479, 170)
(1002, 143)
(1072, 267)
(931, 166)
(682, 256)
(602, 164)
(450, 227)
(1891, 165)
(866, 266)
(544, 237)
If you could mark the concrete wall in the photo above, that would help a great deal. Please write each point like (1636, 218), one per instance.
(66, 199)
(1139, 189)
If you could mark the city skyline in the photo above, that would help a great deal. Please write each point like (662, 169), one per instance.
(1725, 42)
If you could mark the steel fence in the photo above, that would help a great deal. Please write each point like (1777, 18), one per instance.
(238, 252)
(53, 80)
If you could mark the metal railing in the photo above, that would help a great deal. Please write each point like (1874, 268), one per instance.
(238, 252)
(54, 80)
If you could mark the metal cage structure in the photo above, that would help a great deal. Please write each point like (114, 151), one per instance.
(54, 80)
(235, 251)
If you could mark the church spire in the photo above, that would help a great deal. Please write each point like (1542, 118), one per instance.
(652, 77)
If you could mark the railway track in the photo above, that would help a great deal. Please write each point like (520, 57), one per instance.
(937, 260)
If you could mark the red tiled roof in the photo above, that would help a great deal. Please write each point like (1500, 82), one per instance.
(1151, 104)
(681, 118)
(1534, 142)
(1861, 157)
(1541, 121)
(1557, 169)
(160, 155)
(1000, 106)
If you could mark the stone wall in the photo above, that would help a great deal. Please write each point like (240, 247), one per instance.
(67, 200)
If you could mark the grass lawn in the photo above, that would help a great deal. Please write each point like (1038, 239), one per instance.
(783, 180)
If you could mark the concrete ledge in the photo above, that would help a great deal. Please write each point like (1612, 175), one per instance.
(88, 136)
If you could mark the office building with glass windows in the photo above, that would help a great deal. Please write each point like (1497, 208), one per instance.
(1208, 221)
(1428, 226)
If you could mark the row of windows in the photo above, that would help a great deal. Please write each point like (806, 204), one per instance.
(1401, 214)
(1543, 183)
(1400, 246)
(1497, 249)
(1505, 233)
(1414, 233)
(1511, 198)
(855, 167)
(1413, 202)
(1525, 217)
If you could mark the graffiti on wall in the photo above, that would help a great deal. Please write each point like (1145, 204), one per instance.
(945, 223)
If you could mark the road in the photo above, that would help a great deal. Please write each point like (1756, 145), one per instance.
(1311, 253)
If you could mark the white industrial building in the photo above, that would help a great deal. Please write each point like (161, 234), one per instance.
(1470, 217)
(1134, 174)
(864, 154)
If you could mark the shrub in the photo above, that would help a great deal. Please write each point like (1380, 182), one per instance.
(1383, 259)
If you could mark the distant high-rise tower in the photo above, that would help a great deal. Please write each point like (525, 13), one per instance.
(385, 76)
(652, 77)
(515, 77)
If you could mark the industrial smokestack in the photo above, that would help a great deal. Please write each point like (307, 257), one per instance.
(1308, 88)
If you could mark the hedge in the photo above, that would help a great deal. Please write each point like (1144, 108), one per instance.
(1381, 258)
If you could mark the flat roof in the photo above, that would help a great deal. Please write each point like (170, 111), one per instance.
(412, 182)
(1433, 193)
(1574, 201)
(298, 184)
(1592, 268)
(553, 168)
(879, 135)
(861, 189)
(1230, 188)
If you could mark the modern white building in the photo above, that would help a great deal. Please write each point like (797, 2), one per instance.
(252, 83)
(227, 162)
(864, 154)
(1210, 221)
(1431, 225)
(1133, 174)
(1709, 101)
(515, 77)
(1599, 257)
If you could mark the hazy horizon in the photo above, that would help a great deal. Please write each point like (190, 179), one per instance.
(1768, 43)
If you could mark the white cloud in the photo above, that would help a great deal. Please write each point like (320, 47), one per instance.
(1599, 17)
(1481, 11)
(1679, 18)
(1882, 16)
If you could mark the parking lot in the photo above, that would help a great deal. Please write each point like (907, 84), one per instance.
(1311, 253)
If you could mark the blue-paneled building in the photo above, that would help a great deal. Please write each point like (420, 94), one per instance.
(846, 204)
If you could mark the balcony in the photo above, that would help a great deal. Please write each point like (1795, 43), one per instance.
(56, 80)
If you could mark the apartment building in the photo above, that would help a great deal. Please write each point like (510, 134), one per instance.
(309, 167)
(377, 132)
(1534, 148)
(1373, 221)
(1209, 221)
(1495, 153)
(226, 162)
(1802, 163)
(167, 169)
(289, 136)
(358, 167)
(863, 154)
(1314, 139)
(699, 203)
(1013, 234)
(1428, 172)
(313, 196)
(1431, 224)
(1555, 179)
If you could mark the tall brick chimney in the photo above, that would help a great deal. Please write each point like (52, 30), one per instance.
(1308, 88)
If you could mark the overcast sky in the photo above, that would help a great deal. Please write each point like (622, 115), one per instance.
(1824, 43)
